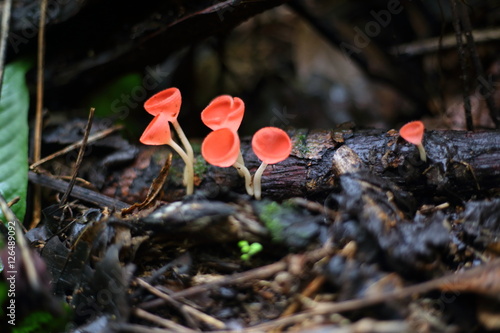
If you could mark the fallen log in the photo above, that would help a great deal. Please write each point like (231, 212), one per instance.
(459, 165)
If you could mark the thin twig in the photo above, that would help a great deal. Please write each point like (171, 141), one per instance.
(161, 321)
(440, 57)
(240, 278)
(155, 189)
(488, 96)
(7, 6)
(135, 328)
(21, 244)
(310, 290)
(13, 201)
(463, 65)
(434, 44)
(187, 310)
(67, 149)
(37, 146)
(78, 192)
(170, 301)
(446, 283)
(37, 136)
(79, 159)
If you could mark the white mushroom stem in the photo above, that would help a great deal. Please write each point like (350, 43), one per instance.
(187, 147)
(421, 150)
(242, 162)
(257, 177)
(242, 170)
(189, 169)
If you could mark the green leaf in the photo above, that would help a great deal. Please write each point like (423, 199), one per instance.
(41, 322)
(3, 296)
(14, 104)
(117, 98)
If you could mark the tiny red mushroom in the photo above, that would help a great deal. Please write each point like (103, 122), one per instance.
(271, 145)
(165, 106)
(157, 132)
(413, 132)
(222, 148)
(168, 102)
(224, 112)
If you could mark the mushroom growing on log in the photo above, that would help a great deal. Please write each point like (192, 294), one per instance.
(463, 164)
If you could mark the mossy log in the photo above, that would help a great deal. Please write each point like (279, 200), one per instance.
(459, 164)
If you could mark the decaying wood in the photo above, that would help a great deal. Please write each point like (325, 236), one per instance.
(459, 164)
(77, 192)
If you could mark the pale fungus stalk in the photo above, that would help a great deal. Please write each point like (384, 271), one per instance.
(188, 148)
(165, 106)
(189, 168)
(243, 172)
(271, 145)
(257, 180)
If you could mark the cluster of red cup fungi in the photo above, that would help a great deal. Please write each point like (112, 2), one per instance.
(221, 147)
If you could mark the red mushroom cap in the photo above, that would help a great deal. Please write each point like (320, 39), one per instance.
(167, 101)
(413, 132)
(158, 131)
(271, 145)
(221, 147)
(224, 112)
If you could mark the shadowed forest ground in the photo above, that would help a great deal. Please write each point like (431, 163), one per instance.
(354, 233)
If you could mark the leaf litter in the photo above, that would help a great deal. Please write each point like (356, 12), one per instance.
(367, 256)
(361, 254)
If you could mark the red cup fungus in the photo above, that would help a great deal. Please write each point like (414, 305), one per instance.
(224, 112)
(157, 132)
(413, 132)
(165, 106)
(222, 148)
(167, 101)
(271, 145)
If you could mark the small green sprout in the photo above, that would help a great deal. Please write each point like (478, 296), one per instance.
(249, 250)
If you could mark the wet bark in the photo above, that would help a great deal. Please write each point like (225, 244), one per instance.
(459, 164)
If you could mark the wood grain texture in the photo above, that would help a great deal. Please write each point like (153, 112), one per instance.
(460, 164)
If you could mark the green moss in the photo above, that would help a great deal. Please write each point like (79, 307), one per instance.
(200, 166)
(43, 321)
(270, 215)
(301, 144)
(288, 224)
